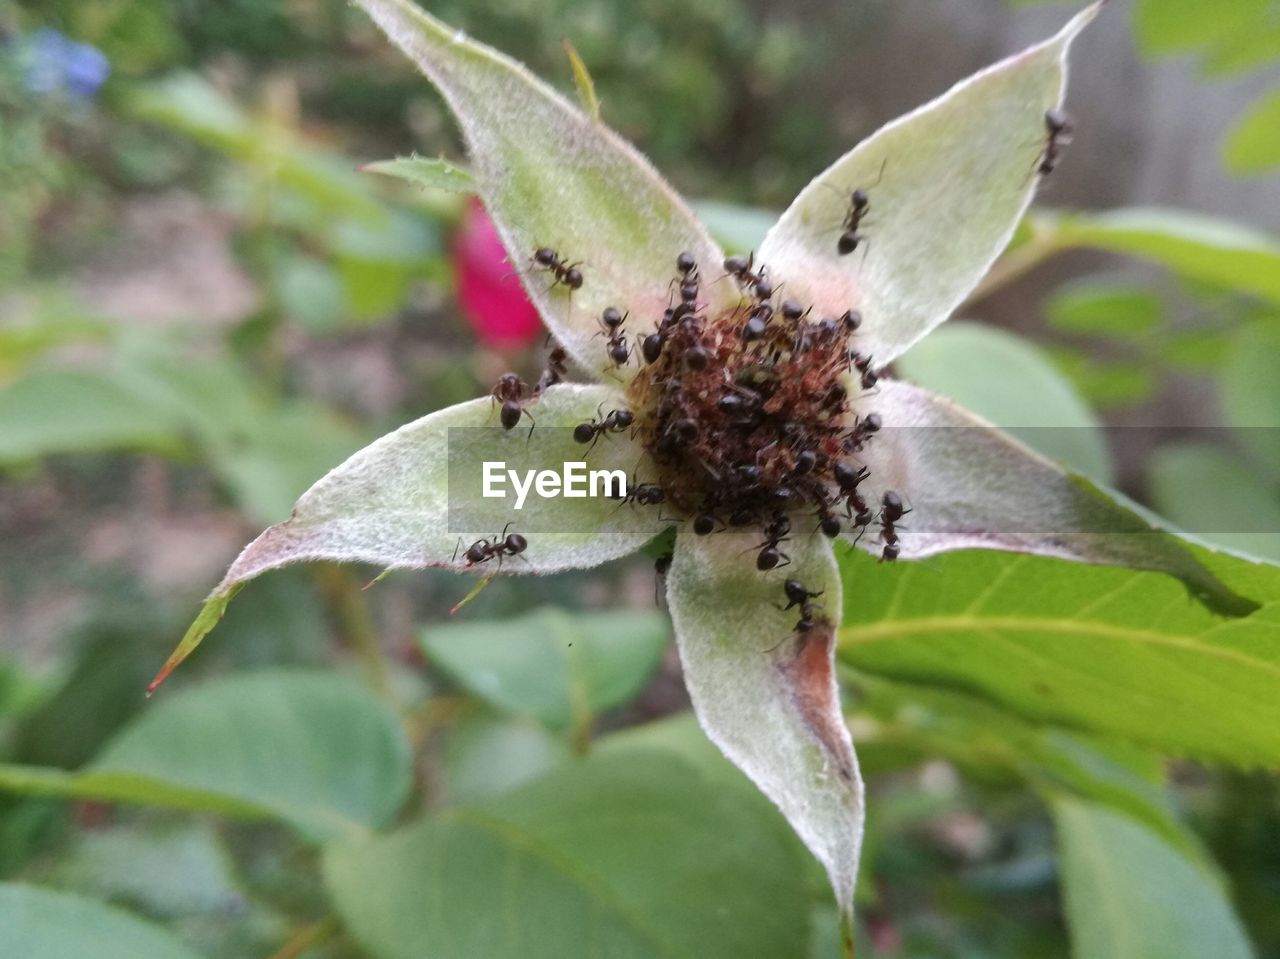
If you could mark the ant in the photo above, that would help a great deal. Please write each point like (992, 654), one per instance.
(646, 494)
(861, 433)
(775, 533)
(511, 391)
(651, 347)
(567, 274)
(891, 510)
(590, 432)
(739, 267)
(687, 267)
(1058, 125)
(848, 479)
(756, 323)
(611, 325)
(859, 207)
(797, 595)
(555, 371)
(483, 550)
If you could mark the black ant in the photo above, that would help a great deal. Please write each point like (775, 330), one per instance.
(775, 533)
(555, 371)
(566, 274)
(797, 595)
(859, 205)
(687, 266)
(510, 390)
(756, 323)
(616, 422)
(739, 267)
(483, 550)
(848, 479)
(611, 326)
(651, 346)
(891, 510)
(646, 494)
(1058, 125)
(862, 432)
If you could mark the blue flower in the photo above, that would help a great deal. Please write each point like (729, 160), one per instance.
(54, 63)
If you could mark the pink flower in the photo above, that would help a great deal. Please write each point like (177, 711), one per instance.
(489, 291)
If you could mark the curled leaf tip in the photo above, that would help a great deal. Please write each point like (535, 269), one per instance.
(582, 80)
(210, 615)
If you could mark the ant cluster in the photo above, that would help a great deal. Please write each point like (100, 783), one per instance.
(748, 414)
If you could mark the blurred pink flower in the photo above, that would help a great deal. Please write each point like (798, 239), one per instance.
(489, 290)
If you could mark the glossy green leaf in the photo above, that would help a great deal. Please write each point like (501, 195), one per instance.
(43, 924)
(1193, 245)
(313, 749)
(1253, 146)
(1029, 397)
(947, 185)
(765, 691)
(1131, 896)
(556, 666)
(551, 176)
(68, 411)
(1114, 651)
(1250, 390)
(1103, 308)
(436, 174)
(631, 856)
(971, 486)
(990, 745)
(1206, 489)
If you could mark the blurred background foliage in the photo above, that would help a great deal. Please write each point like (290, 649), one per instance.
(204, 305)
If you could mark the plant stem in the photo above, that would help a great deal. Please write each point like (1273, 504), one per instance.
(306, 937)
(846, 935)
(348, 603)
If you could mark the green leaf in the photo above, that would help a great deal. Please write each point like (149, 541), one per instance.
(582, 80)
(1253, 146)
(314, 750)
(1030, 398)
(631, 856)
(437, 174)
(765, 692)
(988, 744)
(1195, 246)
(1114, 651)
(190, 105)
(1131, 896)
(1205, 489)
(1251, 390)
(488, 755)
(551, 176)
(164, 870)
(1101, 307)
(971, 486)
(967, 161)
(739, 229)
(1106, 385)
(67, 411)
(43, 924)
(1175, 26)
(558, 667)
(413, 499)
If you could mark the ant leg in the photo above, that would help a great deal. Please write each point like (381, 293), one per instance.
(532, 423)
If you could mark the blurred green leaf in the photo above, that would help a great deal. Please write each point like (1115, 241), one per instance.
(1205, 489)
(42, 924)
(1028, 397)
(1176, 26)
(1104, 308)
(1131, 896)
(1249, 382)
(739, 229)
(490, 755)
(164, 870)
(1253, 146)
(628, 855)
(1116, 651)
(314, 749)
(377, 265)
(195, 108)
(48, 412)
(1107, 385)
(311, 293)
(1197, 246)
(558, 667)
(437, 174)
(1196, 350)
